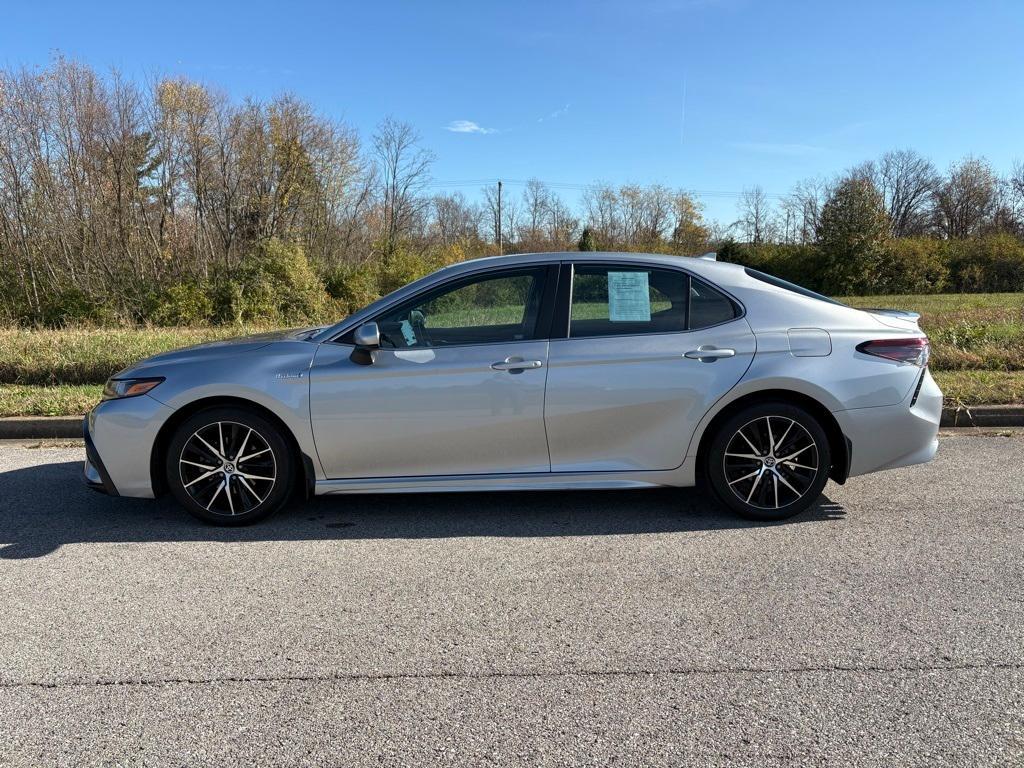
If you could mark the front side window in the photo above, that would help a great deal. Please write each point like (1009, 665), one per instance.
(482, 310)
(614, 300)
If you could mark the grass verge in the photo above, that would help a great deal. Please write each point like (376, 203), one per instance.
(90, 356)
(969, 388)
(57, 400)
(971, 331)
(977, 353)
(966, 388)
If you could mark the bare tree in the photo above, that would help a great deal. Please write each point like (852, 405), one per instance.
(801, 210)
(603, 215)
(1016, 180)
(755, 216)
(634, 217)
(560, 225)
(907, 182)
(966, 199)
(111, 189)
(404, 170)
(1010, 212)
(455, 220)
(509, 216)
(536, 202)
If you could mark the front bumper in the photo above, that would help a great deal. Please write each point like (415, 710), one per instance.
(119, 439)
(891, 436)
(94, 473)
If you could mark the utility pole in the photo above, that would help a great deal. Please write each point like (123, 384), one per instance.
(501, 244)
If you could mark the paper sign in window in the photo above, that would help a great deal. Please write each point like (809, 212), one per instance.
(629, 298)
(408, 334)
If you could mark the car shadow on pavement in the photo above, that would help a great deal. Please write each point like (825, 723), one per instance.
(45, 506)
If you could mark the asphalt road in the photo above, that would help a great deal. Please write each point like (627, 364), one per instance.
(884, 628)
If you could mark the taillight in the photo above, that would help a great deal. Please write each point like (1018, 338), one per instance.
(914, 351)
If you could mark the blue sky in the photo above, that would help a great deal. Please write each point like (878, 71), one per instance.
(711, 95)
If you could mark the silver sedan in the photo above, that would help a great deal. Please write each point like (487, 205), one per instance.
(526, 372)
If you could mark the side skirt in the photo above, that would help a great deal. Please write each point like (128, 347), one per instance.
(541, 481)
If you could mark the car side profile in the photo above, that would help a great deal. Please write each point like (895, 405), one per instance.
(526, 372)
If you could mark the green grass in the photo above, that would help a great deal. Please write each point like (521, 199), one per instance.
(59, 400)
(941, 303)
(973, 331)
(968, 388)
(456, 317)
(87, 356)
(977, 352)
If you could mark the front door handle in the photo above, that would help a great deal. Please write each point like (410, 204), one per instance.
(516, 364)
(708, 353)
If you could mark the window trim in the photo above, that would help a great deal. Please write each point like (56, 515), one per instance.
(561, 327)
(548, 277)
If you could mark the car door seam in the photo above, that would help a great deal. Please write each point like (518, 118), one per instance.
(544, 401)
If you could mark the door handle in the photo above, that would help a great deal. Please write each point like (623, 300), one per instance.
(708, 353)
(516, 364)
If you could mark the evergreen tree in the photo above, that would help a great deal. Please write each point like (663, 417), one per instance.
(587, 240)
(852, 234)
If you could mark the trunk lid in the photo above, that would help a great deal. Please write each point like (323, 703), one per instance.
(900, 319)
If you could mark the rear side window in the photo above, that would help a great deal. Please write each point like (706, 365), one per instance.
(778, 282)
(614, 300)
(709, 306)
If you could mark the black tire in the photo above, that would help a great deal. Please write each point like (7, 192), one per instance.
(766, 486)
(196, 468)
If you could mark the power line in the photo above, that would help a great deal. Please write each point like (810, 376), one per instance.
(577, 187)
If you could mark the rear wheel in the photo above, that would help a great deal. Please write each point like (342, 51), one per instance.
(769, 461)
(230, 466)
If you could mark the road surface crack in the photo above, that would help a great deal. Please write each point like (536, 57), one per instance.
(515, 675)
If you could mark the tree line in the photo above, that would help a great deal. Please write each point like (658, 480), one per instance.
(170, 202)
(892, 225)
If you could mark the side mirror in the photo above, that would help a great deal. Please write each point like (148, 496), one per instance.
(367, 336)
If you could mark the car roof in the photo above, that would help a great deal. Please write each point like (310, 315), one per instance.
(701, 266)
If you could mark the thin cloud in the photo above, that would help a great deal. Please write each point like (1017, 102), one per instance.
(555, 115)
(468, 126)
(772, 148)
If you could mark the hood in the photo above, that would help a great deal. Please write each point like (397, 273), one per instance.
(219, 349)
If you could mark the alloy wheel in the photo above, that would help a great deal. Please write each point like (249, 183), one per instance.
(771, 462)
(227, 468)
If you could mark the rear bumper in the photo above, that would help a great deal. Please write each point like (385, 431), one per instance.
(893, 436)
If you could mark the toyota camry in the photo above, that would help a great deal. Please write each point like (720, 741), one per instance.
(528, 372)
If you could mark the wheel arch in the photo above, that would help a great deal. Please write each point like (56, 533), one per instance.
(839, 445)
(307, 474)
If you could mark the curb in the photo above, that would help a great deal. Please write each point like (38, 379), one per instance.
(40, 427)
(984, 416)
(44, 427)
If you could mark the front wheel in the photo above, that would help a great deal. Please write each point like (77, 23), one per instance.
(230, 466)
(769, 461)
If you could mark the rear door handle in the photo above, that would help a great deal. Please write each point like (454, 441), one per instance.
(708, 353)
(516, 364)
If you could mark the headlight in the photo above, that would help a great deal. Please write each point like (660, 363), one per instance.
(115, 389)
